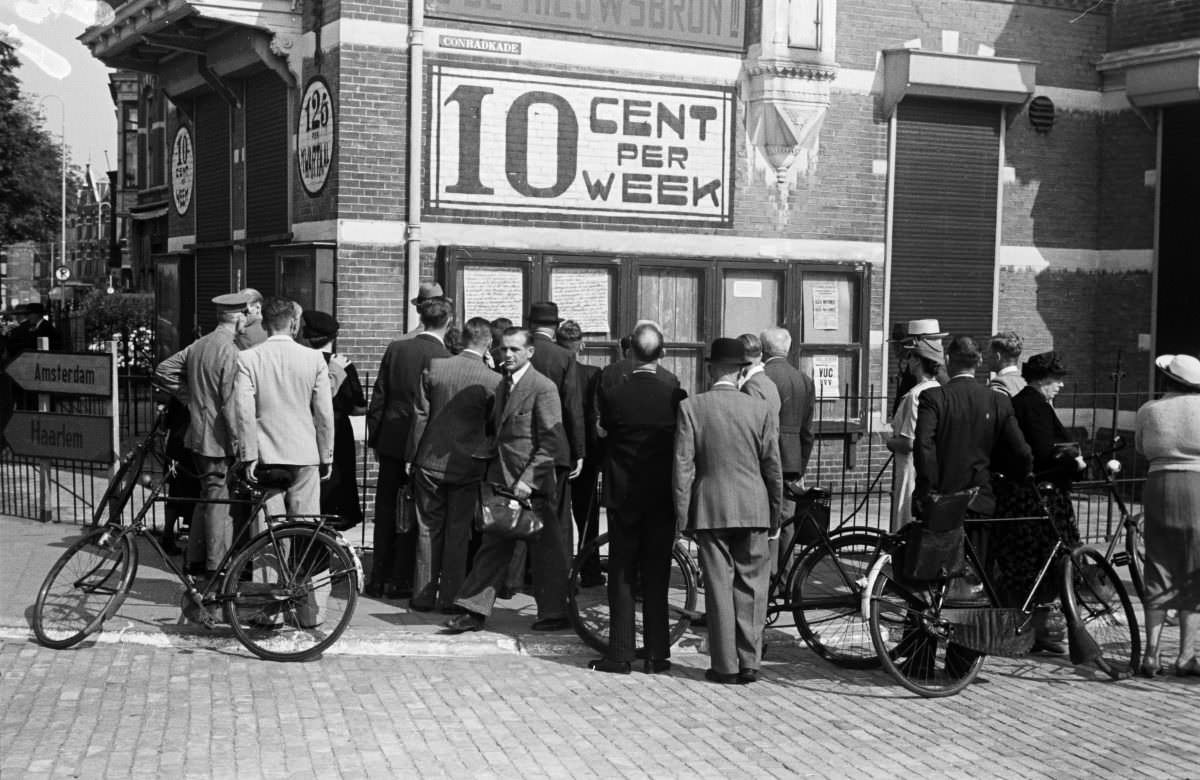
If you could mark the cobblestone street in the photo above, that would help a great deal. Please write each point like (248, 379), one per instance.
(121, 710)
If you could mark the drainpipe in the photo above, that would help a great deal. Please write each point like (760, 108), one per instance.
(416, 98)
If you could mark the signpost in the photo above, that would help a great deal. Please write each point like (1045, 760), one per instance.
(65, 436)
(54, 372)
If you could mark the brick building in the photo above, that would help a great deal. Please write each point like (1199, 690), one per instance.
(717, 165)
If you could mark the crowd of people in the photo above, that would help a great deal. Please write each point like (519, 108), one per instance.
(458, 411)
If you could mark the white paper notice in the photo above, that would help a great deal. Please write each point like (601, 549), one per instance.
(825, 375)
(494, 292)
(747, 289)
(582, 295)
(825, 305)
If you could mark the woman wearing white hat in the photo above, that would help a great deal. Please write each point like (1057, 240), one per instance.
(1167, 432)
(923, 361)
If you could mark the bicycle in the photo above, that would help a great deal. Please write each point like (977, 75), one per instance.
(933, 639)
(1127, 549)
(288, 593)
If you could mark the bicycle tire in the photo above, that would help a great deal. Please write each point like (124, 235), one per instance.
(84, 587)
(826, 598)
(290, 593)
(112, 503)
(1094, 597)
(587, 608)
(909, 636)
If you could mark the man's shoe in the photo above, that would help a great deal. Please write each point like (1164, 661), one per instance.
(416, 605)
(608, 665)
(460, 624)
(656, 666)
(713, 676)
(1048, 647)
(747, 676)
(550, 624)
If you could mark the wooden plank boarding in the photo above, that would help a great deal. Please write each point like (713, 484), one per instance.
(59, 372)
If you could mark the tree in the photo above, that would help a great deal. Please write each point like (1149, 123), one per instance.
(30, 164)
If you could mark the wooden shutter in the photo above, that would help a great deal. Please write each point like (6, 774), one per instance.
(260, 268)
(266, 156)
(944, 230)
(212, 279)
(1178, 236)
(212, 169)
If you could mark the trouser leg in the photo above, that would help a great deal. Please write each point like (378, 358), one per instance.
(215, 535)
(430, 498)
(387, 495)
(478, 592)
(717, 564)
(585, 510)
(751, 570)
(461, 502)
(550, 560)
(622, 577)
(657, 539)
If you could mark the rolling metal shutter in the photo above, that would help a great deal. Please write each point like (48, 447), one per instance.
(260, 268)
(212, 169)
(1178, 271)
(266, 156)
(944, 227)
(212, 279)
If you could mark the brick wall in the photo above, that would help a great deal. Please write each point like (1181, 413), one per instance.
(1128, 149)
(1147, 22)
(372, 132)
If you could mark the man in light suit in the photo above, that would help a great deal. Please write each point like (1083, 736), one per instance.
(389, 422)
(203, 376)
(285, 410)
(728, 487)
(449, 428)
(530, 451)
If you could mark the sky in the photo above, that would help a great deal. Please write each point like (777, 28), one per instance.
(53, 62)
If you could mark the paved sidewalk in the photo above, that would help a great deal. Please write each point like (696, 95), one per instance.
(150, 614)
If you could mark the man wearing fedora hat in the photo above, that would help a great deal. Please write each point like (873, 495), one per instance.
(728, 485)
(204, 376)
(426, 293)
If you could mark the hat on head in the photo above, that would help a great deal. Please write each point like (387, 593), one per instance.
(428, 290)
(728, 352)
(544, 312)
(35, 307)
(1184, 369)
(1043, 365)
(915, 330)
(232, 301)
(318, 325)
(929, 350)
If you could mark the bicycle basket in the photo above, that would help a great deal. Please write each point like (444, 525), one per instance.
(811, 519)
(990, 630)
(927, 555)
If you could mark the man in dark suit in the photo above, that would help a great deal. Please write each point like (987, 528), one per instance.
(797, 396)
(584, 506)
(640, 421)
(530, 452)
(389, 420)
(959, 426)
(728, 487)
(449, 429)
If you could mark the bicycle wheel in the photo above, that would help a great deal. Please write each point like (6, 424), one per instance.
(1094, 598)
(84, 587)
(910, 636)
(588, 611)
(827, 598)
(290, 594)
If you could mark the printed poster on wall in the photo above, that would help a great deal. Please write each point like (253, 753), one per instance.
(825, 376)
(524, 143)
(490, 293)
(825, 305)
(582, 295)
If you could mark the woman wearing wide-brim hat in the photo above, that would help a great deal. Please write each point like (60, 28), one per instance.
(1167, 432)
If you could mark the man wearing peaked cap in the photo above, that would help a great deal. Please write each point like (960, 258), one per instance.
(203, 376)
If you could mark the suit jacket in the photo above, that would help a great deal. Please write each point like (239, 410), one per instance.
(252, 335)
(797, 397)
(452, 414)
(284, 404)
(203, 375)
(558, 365)
(589, 383)
(397, 385)
(959, 425)
(759, 385)
(727, 472)
(530, 441)
(620, 372)
(1042, 429)
(640, 420)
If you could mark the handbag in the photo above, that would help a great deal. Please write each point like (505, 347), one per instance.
(502, 513)
(930, 555)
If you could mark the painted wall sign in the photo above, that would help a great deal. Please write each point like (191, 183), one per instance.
(183, 170)
(527, 142)
(485, 45)
(710, 24)
(314, 136)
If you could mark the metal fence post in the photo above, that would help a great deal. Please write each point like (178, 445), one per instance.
(45, 514)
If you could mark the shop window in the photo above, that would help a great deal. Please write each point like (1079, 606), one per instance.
(673, 297)
(306, 276)
(830, 340)
(129, 146)
(751, 302)
(585, 290)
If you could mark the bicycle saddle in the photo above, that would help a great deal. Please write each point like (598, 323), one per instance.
(274, 477)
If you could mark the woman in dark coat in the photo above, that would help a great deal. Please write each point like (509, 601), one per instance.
(339, 493)
(1020, 548)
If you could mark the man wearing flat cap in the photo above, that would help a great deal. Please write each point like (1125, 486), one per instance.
(203, 376)
(728, 485)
